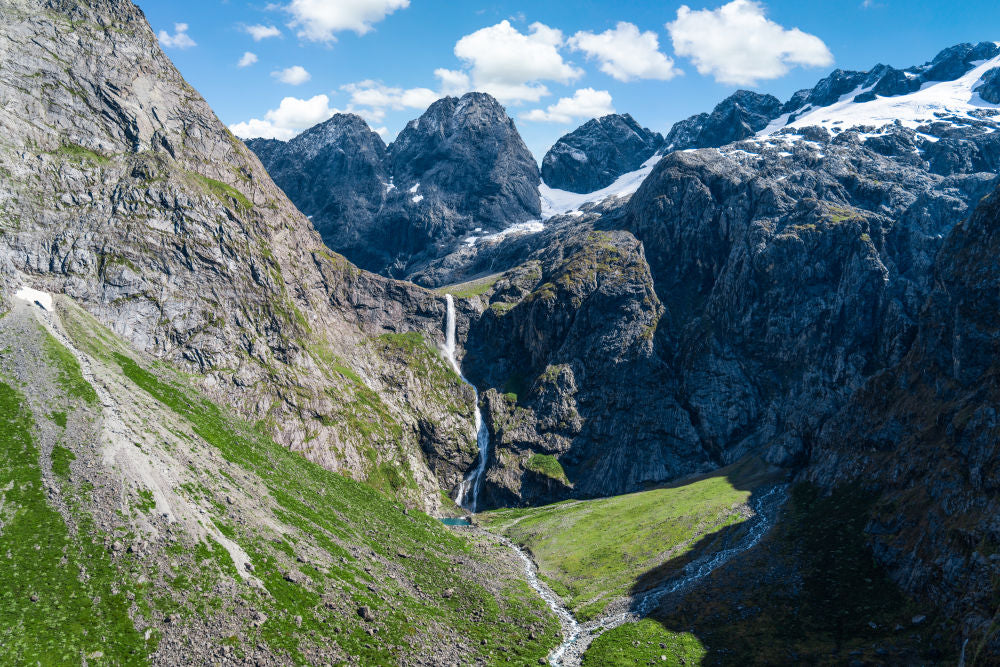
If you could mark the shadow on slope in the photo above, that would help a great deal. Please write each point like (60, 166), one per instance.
(810, 592)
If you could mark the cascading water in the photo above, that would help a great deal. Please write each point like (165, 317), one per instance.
(474, 479)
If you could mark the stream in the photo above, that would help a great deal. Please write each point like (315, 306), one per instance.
(577, 637)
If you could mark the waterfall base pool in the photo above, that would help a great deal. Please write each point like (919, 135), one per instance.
(455, 521)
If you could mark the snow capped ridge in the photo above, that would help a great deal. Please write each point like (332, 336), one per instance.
(933, 101)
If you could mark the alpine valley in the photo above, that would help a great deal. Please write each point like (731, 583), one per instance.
(724, 395)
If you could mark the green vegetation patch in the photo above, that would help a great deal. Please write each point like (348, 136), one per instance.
(49, 613)
(548, 465)
(331, 510)
(80, 155)
(643, 643)
(226, 194)
(70, 378)
(597, 550)
(472, 288)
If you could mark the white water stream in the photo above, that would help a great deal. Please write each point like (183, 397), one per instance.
(577, 638)
(473, 481)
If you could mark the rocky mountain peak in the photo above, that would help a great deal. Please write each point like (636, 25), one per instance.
(955, 61)
(470, 152)
(739, 116)
(592, 156)
(344, 131)
(989, 90)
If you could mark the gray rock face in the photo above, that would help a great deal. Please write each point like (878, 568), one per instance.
(739, 116)
(122, 190)
(335, 173)
(989, 90)
(955, 61)
(923, 434)
(592, 156)
(468, 153)
(462, 165)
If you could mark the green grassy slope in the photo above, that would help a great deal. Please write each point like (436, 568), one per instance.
(115, 581)
(594, 551)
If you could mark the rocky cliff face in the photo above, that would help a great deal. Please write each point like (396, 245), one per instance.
(460, 167)
(923, 436)
(468, 154)
(739, 116)
(335, 173)
(592, 156)
(123, 191)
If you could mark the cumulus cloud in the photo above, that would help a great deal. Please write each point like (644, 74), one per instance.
(293, 76)
(247, 59)
(371, 99)
(453, 82)
(259, 32)
(319, 20)
(375, 94)
(586, 103)
(625, 53)
(509, 64)
(179, 40)
(737, 44)
(291, 117)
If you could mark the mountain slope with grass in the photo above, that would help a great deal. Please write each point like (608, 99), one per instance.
(123, 190)
(141, 522)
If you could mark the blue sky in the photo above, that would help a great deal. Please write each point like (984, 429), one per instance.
(553, 64)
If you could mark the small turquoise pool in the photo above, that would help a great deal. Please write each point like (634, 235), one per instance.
(455, 521)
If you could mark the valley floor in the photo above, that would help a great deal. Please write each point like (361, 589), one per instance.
(806, 589)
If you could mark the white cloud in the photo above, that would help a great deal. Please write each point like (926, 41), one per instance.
(511, 65)
(259, 32)
(453, 82)
(179, 40)
(738, 45)
(318, 20)
(586, 103)
(247, 59)
(625, 53)
(293, 76)
(291, 117)
(370, 99)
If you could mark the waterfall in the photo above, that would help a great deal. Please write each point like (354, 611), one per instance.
(474, 479)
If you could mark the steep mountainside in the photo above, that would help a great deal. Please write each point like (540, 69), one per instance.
(125, 192)
(144, 524)
(592, 156)
(335, 173)
(924, 436)
(739, 116)
(459, 168)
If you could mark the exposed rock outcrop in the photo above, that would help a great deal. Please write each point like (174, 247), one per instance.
(461, 166)
(124, 191)
(592, 156)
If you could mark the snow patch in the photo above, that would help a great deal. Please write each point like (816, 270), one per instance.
(43, 299)
(935, 98)
(416, 199)
(558, 202)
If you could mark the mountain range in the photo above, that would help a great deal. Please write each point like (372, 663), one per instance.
(231, 412)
